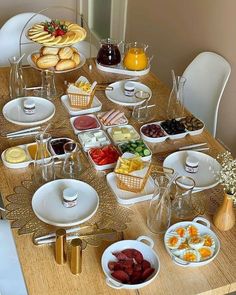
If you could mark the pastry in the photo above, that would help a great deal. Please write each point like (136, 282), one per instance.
(49, 50)
(47, 61)
(76, 58)
(15, 155)
(65, 53)
(35, 57)
(65, 64)
(75, 50)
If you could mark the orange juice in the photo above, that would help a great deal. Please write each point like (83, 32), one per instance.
(135, 59)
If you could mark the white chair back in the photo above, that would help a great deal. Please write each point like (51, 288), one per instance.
(206, 78)
(10, 36)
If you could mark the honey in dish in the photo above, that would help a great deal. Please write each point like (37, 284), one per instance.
(32, 149)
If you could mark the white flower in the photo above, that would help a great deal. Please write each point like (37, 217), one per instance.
(227, 175)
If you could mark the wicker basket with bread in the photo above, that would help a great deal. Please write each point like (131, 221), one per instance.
(81, 93)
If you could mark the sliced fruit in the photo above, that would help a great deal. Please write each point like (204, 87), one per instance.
(54, 42)
(33, 32)
(63, 40)
(41, 38)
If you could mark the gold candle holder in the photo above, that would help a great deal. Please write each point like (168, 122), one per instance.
(76, 256)
(60, 246)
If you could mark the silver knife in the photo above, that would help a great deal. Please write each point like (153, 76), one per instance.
(2, 208)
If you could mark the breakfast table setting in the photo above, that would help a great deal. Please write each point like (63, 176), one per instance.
(108, 185)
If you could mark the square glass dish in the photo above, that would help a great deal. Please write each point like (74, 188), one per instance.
(112, 118)
(84, 123)
(122, 134)
(92, 139)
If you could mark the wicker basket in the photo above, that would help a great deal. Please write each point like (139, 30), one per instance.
(81, 101)
(132, 183)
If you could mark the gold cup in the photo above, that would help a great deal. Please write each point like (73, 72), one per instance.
(76, 256)
(60, 246)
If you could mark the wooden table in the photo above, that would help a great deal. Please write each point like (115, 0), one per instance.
(42, 274)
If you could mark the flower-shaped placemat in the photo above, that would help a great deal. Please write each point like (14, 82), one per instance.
(108, 216)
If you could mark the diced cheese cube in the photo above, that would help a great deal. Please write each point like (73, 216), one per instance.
(102, 139)
(98, 134)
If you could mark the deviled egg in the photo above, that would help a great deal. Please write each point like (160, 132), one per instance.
(196, 242)
(209, 241)
(205, 252)
(173, 241)
(181, 231)
(191, 256)
(192, 231)
(182, 247)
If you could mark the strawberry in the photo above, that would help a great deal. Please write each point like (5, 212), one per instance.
(59, 32)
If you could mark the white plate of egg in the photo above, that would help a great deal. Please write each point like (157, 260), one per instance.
(192, 244)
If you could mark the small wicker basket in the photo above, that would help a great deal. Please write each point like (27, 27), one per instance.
(81, 101)
(132, 183)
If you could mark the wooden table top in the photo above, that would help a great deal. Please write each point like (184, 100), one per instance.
(44, 276)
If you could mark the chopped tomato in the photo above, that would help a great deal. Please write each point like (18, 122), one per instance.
(105, 155)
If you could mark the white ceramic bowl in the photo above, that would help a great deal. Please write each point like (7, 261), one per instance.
(148, 254)
(101, 167)
(144, 158)
(203, 230)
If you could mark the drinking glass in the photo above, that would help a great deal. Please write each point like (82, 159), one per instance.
(44, 170)
(72, 164)
(182, 207)
(140, 112)
(48, 85)
(159, 213)
(16, 81)
(175, 108)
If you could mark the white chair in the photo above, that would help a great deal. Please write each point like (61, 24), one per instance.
(10, 36)
(206, 78)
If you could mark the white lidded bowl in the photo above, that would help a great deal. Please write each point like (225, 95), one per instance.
(148, 253)
(203, 230)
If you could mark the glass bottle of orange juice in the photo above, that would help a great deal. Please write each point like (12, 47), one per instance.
(135, 57)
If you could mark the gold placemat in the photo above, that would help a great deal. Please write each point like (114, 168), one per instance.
(109, 214)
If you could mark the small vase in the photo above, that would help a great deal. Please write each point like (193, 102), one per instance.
(224, 219)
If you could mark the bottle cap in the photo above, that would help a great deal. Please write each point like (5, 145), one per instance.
(70, 194)
(129, 86)
(29, 103)
(192, 161)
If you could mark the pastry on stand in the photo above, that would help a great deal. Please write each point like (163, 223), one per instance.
(57, 54)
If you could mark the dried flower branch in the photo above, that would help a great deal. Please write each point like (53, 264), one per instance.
(227, 175)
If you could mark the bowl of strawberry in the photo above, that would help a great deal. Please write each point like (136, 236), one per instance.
(103, 157)
(130, 264)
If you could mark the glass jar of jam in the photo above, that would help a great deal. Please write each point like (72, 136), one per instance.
(109, 53)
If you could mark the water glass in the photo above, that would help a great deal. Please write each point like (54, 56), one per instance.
(72, 164)
(140, 112)
(182, 208)
(159, 213)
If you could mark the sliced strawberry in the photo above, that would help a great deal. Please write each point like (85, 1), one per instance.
(133, 253)
(136, 277)
(147, 273)
(120, 256)
(111, 265)
(121, 276)
(137, 267)
(146, 264)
